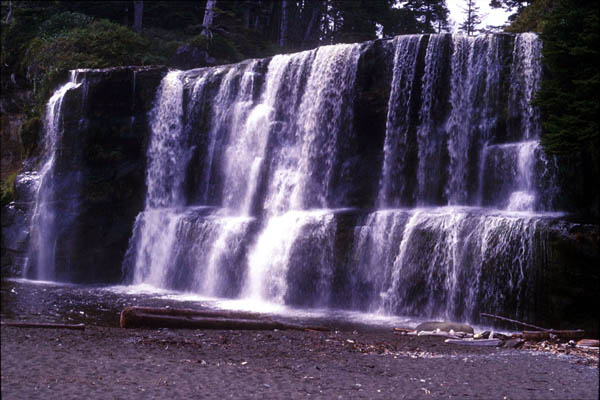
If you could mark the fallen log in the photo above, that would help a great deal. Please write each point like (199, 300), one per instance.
(181, 312)
(588, 343)
(513, 321)
(545, 335)
(137, 317)
(78, 327)
(477, 342)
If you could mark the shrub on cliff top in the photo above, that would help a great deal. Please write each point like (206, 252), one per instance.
(98, 44)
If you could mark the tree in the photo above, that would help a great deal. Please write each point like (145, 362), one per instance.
(515, 6)
(569, 94)
(138, 10)
(432, 14)
(209, 15)
(472, 18)
(569, 98)
(8, 15)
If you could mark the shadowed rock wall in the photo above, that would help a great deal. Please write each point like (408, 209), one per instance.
(99, 177)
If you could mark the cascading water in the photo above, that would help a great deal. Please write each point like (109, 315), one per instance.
(394, 184)
(42, 254)
(244, 196)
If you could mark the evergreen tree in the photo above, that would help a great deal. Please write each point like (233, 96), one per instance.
(514, 6)
(432, 14)
(569, 98)
(569, 94)
(472, 18)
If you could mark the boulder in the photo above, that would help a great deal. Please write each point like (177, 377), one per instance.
(188, 57)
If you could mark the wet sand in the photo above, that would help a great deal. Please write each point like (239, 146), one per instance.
(114, 363)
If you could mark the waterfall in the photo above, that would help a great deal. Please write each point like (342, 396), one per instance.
(430, 138)
(42, 254)
(287, 74)
(393, 187)
(525, 79)
(273, 254)
(474, 80)
(164, 176)
(244, 198)
(324, 106)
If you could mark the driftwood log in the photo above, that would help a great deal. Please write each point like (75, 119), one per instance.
(147, 317)
(186, 312)
(514, 321)
(545, 335)
(78, 327)
(541, 333)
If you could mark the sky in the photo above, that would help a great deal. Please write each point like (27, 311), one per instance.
(495, 16)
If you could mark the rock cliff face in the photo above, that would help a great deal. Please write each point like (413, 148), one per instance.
(212, 180)
(99, 177)
(568, 278)
(15, 98)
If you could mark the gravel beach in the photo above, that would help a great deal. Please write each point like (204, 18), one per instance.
(108, 362)
(114, 363)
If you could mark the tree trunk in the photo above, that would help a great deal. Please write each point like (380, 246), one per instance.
(145, 317)
(138, 10)
(186, 312)
(514, 321)
(284, 24)
(78, 327)
(247, 6)
(209, 15)
(545, 335)
(9, 12)
(309, 28)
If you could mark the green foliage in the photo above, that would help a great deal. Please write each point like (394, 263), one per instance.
(530, 19)
(569, 94)
(7, 189)
(61, 22)
(99, 44)
(70, 40)
(515, 6)
(22, 27)
(224, 49)
(199, 41)
(30, 133)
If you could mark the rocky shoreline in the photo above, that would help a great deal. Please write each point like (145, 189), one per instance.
(105, 362)
(354, 361)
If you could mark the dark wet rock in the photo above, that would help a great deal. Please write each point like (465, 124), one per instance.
(14, 239)
(501, 336)
(483, 335)
(564, 282)
(444, 326)
(189, 56)
(355, 180)
(99, 173)
(111, 169)
(15, 97)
